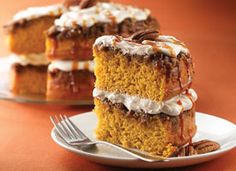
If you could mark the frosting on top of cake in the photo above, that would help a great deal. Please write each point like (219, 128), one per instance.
(173, 107)
(67, 66)
(37, 12)
(101, 12)
(168, 45)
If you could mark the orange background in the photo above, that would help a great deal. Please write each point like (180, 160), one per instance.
(209, 30)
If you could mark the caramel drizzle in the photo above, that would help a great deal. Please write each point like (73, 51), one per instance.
(54, 47)
(74, 88)
(111, 17)
(86, 65)
(74, 50)
(181, 126)
(74, 65)
(179, 77)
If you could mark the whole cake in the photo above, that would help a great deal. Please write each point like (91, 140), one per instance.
(143, 96)
(69, 44)
(26, 42)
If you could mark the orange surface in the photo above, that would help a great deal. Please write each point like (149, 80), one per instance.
(209, 30)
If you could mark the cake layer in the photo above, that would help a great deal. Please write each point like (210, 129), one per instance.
(71, 85)
(156, 77)
(73, 34)
(28, 79)
(28, 38)
(70, 49)
(173, 107)
(157, 134)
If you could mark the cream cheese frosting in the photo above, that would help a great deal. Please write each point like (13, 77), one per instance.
(101, 12)
(168, 45)
(71, 65)
(29, 59)
(37, 12)
(172, 107)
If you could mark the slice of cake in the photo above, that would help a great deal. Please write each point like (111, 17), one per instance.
(70, 80)
(26, 40)
(142, 92)
(28, 74)
(72, 36)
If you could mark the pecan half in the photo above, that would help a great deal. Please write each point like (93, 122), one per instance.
(69, 3)
(82, 3)
(186, 151)
(205, 146)
(200, 147)
(87, 3)
(145, 35)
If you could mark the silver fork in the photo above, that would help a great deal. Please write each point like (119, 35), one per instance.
(72, 135)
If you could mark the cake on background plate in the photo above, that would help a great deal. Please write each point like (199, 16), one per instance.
(143, 96)
(69, 44)
(26, 42)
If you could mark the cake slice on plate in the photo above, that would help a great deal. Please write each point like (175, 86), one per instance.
(26, 41)
(142, 94)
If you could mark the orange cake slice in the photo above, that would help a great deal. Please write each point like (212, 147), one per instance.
(28, 74)
(25, 33)
(142, 92)
(70, 80)
(69, 42)
(26, 40)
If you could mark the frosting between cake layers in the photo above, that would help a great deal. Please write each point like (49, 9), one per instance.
(172, 107)
(101, 12)
(71, 65)
(168, 45)
(36, 12)
(29, 59)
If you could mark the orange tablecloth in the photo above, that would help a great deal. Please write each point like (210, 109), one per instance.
(209, 30)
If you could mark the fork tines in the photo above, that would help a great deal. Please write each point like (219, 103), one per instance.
(67, 129)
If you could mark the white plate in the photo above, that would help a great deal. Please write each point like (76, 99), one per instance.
(209, 127)
(6, 94)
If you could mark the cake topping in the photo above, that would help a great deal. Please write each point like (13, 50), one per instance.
(36, 12)
(21, 18)
(100, 13)
(134, 103)
(29, 59)
(167, 45)
(140, 36)
(71, 65)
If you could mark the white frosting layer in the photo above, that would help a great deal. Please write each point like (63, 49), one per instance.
(101, 12)
(71, 65)
(36, 12)
(172, 107)
(29, 59)
(168, 45)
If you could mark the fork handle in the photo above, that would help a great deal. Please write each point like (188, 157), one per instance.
(140, 155)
